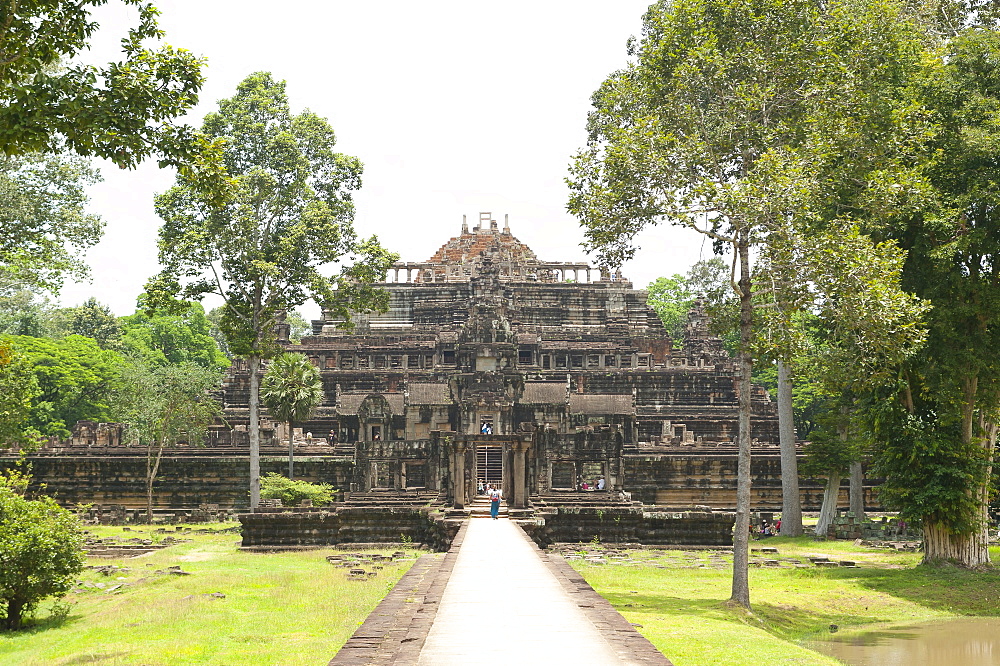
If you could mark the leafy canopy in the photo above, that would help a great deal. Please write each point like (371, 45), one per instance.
(167, 404)
(122, 111)
(162, 338)
(76, 379)
(44, 226)
(18, 391)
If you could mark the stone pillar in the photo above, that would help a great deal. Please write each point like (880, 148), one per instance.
(520, 494)
(459, 480)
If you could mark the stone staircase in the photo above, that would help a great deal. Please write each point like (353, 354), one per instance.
(480, 507)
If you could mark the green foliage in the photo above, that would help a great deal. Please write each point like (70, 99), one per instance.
(40, 552)
(18, 390)
(44, 229)
(164, 405)
(291, 388)
(810, 400)
(299, 326)
(930, 473)
(94, 320)
(827, 452)
(76, 380)
(276, 486)
(936, 429)
(288, 212)
(121, 112)
(671, 299)
(172, 338)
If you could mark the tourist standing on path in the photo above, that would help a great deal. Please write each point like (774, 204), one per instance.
(494, 503)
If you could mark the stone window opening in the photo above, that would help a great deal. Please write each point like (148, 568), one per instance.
(363, 361)
(593, 360)
(376, 433)
(561, 361)
(380, 361)
(429, 361)
(413, 361)
(331, 362)
(524, 357)
(347, 362)
(609, 361)
(448, 357)
(577, 360)
(644, 361)
(626, 361)
(546, 361)
(395, 361)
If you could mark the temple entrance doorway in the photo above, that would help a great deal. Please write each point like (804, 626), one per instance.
(489, 463)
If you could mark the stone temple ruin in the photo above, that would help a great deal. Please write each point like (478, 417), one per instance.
(490, 365)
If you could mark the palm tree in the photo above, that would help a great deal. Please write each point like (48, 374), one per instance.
(291, 389)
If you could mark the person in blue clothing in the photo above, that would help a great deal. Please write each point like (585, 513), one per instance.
(494, 503)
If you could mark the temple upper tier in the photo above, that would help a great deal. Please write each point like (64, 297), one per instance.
(463, 257)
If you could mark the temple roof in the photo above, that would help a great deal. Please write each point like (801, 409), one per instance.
(484, 240)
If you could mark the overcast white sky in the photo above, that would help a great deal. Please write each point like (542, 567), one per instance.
(454, 107)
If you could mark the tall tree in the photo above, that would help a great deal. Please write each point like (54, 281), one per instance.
(261, 245)
(936, 429)
(162, 406)
(744, 120)
(291, 389)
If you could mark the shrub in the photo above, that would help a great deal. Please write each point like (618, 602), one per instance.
(291, 493)
(41, 552)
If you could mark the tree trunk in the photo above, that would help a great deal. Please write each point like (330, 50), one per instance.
(828, 511)
(741, 534)
(791, 504)
(254, 362)
(967, 550)
(291, 452)
(151, 472)
(149, 483)
(857, 493)
(15, 609)
(940, 542)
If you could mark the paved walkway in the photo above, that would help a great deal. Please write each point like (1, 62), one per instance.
(502, 604)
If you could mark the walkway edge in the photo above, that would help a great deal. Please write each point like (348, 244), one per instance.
(631, 646)
(395, 632)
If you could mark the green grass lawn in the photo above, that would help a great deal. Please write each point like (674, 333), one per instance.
(286, 608)
(679, 599)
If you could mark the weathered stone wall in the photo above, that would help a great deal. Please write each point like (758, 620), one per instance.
(633, 525)
(183, 482)
(299, 528)
(682, 480)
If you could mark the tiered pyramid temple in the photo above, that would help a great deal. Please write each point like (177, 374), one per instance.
(494, 365)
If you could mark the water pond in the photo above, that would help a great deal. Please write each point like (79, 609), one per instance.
(962, 641)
